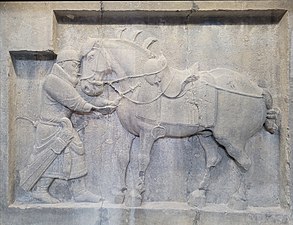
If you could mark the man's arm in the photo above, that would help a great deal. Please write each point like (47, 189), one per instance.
(66, 94)
(101, 102)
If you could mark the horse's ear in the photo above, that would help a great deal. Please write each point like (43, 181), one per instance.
(87, 46)
(162, 59)
(194, 68)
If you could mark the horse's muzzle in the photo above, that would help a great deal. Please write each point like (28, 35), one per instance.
(92, 88)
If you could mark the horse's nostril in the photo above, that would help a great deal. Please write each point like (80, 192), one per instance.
(86, 89)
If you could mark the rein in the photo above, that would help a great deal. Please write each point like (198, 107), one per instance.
(123, 94)
(122, 78)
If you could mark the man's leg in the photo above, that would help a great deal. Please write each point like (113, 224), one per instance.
(41, 191)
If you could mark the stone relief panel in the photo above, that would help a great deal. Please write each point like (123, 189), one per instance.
(132, 115)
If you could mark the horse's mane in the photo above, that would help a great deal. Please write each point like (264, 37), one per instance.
(140, 40)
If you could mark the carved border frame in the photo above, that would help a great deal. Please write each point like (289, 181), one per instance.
(280, 12)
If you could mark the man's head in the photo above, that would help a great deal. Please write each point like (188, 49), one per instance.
(69, 60)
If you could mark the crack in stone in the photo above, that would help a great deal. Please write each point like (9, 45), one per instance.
(102, 11)
(194, 8)
(196, 219)
(103, 216)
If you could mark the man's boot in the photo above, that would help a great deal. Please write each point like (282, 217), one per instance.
(41, 191)
(80, 194)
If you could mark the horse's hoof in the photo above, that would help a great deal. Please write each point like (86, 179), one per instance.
(133, 199)
(244, 162)
(214, 159)
(197, 199)
(237, 203)
(119, 199)
(119, 195)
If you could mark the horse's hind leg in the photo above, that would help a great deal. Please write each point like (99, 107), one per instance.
(213, 157)
(236, 150)
(239, 200)
(147, 140)
(198, 197)
(210, 147)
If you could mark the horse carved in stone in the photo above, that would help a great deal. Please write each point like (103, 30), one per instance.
(223, 107)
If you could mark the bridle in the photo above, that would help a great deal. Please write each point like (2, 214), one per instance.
(111, 82)
(104, 53)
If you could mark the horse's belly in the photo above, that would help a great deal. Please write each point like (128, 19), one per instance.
(168, 129)
(181, 130)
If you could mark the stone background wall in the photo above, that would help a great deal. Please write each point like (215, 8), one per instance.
(254, 41)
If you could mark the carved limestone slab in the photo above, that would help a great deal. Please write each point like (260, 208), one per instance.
(177, 114)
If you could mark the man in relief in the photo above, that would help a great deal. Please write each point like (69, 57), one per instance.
(58, 150)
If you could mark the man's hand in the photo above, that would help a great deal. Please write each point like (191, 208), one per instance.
(116, 101)
(106, 109)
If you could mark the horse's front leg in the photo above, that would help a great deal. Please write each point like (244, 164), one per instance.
(120, 159)
(134, 197)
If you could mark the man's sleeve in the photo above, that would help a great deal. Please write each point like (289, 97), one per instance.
(65, 94)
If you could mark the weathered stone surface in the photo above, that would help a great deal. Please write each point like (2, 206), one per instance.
(179, 114)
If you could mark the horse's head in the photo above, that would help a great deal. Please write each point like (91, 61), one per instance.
(128, 60)
(94, 67)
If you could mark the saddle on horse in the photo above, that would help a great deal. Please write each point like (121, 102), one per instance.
(201, 95)
(174, 85)
(193, 102)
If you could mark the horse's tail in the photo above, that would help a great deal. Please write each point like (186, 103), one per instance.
(272, 113)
